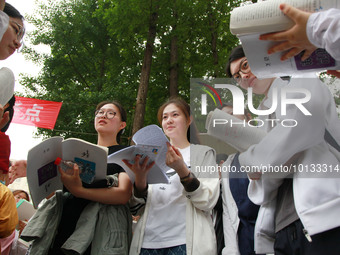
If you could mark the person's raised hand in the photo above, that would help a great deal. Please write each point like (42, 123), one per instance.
(293, 40)
(174, 159)
(140, 169)
(17, 170)
(72, 181)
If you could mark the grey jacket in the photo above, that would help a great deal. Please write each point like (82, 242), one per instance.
(107, 227)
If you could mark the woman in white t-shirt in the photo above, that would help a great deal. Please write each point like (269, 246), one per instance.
(175, 217)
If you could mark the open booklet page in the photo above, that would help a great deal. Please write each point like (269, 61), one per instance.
(43, 176)
(150, 141)
(265, 17)
(232, 130)
(90, 158)
(250, 21)
(264, 65)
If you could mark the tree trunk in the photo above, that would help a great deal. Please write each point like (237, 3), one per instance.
(173, 84)
(213, 31)
(138, 120)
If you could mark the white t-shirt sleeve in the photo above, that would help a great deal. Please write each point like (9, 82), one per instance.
(323, 30)
(4, 21)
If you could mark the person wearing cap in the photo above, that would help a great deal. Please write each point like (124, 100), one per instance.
(11, 34)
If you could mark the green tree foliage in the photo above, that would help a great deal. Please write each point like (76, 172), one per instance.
(97, 51)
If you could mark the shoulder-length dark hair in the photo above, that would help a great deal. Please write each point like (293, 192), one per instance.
(192, 133)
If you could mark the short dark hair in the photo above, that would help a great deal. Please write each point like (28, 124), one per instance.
(235, 54)
(122, 112)
(12, 12)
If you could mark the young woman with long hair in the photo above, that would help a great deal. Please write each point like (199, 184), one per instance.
(176, 217)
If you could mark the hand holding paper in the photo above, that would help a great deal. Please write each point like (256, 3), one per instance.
(141, 169)
(150, 144)
(174, 159)
(294, 39)
(72, 181)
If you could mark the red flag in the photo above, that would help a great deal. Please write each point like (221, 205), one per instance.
(35, 112)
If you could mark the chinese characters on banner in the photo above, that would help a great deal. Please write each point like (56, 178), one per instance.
(35, 112)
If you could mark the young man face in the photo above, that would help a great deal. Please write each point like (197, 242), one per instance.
(241, 72)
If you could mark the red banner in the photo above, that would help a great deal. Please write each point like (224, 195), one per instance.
(35, 112)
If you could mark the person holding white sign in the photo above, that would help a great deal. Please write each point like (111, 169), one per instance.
(297, 168)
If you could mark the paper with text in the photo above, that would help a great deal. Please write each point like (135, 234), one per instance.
(43, 176)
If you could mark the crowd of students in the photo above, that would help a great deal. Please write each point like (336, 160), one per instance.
(11, 34)
(283, 212)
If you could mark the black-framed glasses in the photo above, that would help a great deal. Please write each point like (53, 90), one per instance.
(107, 114)
(243, 68)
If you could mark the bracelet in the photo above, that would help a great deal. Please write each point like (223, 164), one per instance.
(185, 178)
(190, 182)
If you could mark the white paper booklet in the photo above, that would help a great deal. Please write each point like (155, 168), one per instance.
(150, 141)
(250, 21)
(25, 210)
(264, 65)
(232, 130)
(43, 177)
(266, 16)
